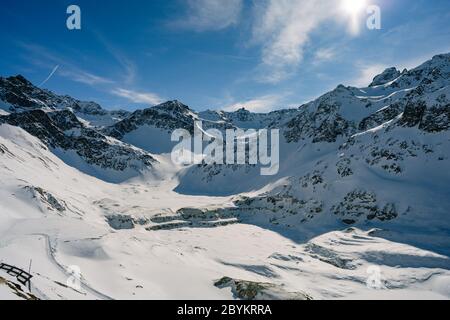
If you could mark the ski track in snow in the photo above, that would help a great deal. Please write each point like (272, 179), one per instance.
(51, 256)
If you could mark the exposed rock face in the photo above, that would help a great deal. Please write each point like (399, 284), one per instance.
(245, 119)
(321, 120)
(283, 209)
(183, 218)
(21, 95)
(388, 75)
(436, 119)
(248, 290)
(382, 116)
(344, 168)
(120, 222)
(17, 290)
(433, 73)
(362, 203)
(167, 116)
(329, 256)
(243, 115)
(413, 114)
(46, 198)
(62, 130)
(193, 218)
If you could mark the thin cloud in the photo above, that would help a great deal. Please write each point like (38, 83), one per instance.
(221, 56)
(42, 57)
(210, 15)
(283, 28)
(128, 66)
(84, 77)
(323, 55)
(138, 97)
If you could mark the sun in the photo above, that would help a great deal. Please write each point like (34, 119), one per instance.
(353, 7)
(353, 10)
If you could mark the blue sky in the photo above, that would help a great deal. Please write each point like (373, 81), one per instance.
(214, 54)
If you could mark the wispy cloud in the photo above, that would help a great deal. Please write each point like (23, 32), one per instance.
(206, 15)
(324, 54)
(260, 104)
(42, 57)
(283, 29)
(221, 56)
(84, 77)
(138, 97)
(129, 73)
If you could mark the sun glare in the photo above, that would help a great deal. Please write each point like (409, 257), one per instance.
(353, 7)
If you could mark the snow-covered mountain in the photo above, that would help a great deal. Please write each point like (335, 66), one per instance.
(81, 146)
(18, 94)
(353, 134)
(245, 119)
(151, 129)
(363, 182)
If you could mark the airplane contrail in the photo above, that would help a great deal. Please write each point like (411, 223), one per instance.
(49, 76)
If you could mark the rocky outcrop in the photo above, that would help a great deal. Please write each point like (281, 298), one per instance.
(386, 76)
(249, 290)
(21, 95)
(62, 130)
(167, 116)
(47, 199)
(323, 125)
(361, 203)
(16, 290)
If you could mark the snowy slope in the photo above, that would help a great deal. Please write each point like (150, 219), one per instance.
(83, 147)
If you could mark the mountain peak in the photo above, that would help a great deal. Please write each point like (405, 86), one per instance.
(386, 76)
(19, 79)
(442, 56)
(172, 105)
(19, 94)
(242, 110)
(440, 62)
